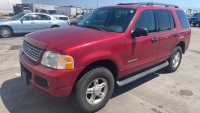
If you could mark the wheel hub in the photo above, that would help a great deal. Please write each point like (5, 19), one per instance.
(176, 59)
(97, 90)
(5, 32)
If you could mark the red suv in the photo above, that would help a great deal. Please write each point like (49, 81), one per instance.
(86, 60)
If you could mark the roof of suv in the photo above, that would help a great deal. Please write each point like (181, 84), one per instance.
(144, 5)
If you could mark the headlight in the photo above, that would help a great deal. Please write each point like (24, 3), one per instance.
(57, 61)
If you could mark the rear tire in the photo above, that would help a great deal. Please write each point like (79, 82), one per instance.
(55, 26)
(5, 32)
(92, 91)
(175, 60)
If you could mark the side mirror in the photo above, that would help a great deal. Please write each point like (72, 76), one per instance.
(23, 19)
(139, 32)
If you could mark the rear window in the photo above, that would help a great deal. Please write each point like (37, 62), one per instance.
(182, 19)
(164, 20)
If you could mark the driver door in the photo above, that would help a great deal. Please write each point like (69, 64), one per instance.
(27, 24)
(142, 51)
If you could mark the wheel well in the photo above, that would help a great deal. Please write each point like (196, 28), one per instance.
(55, 26)
(109, 64)
(182, 45)
(7, 26)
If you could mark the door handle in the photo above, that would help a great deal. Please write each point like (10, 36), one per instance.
(32, 22)
(176, 34)
(155, 39)
(49, 22)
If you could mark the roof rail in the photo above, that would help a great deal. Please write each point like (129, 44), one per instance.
(150, 4)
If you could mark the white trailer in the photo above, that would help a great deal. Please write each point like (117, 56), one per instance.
(78, 11)
(38, 7)
(6, 6)
(69, 11)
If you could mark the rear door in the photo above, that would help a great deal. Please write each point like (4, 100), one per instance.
(142, 51)
(168, 34)
(43, 22)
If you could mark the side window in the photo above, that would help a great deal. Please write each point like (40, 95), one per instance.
(183, 19)
(43, 17)
(171, 18)
(146, 20)
(163, 20)
(30, 17)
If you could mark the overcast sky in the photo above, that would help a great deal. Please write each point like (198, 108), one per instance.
(93, 3)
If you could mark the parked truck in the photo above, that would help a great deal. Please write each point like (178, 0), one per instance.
(18, 8)
(38, 7)
(69, 11)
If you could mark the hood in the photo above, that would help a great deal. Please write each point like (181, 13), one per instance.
(61, 38)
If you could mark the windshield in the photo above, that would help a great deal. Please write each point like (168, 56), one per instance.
(53, 12)
(18, 16)
(109, 19)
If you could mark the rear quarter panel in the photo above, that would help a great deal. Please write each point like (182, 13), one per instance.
(184, 34)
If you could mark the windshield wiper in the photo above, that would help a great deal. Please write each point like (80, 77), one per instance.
(93, 27)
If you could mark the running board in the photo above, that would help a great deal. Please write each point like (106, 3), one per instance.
(143, 74)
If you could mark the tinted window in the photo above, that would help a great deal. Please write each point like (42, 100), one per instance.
(171, 18)
(183, 19)
(43, 17)
(163, 20)
(146, 20)
(30, 17)
(43, 11)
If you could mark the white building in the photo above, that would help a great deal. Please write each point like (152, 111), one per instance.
(6, 6)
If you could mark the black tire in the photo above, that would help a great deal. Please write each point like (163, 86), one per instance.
(80, 98)
(55, 26)
(172, 65)
(6, 32)
(194, 25)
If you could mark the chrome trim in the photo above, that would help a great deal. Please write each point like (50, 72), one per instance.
(31, 51)
(132, 60)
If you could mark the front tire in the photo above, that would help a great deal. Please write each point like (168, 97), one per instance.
(93, 90)
(5, 32)
(175, 60)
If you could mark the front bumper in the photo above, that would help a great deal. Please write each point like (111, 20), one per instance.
(60, 81)
(194, 21)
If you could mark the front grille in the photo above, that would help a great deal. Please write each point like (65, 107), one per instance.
(31, 51)
(41, 82)
(63, 18)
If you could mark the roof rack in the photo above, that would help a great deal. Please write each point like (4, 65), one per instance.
(150, 4)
